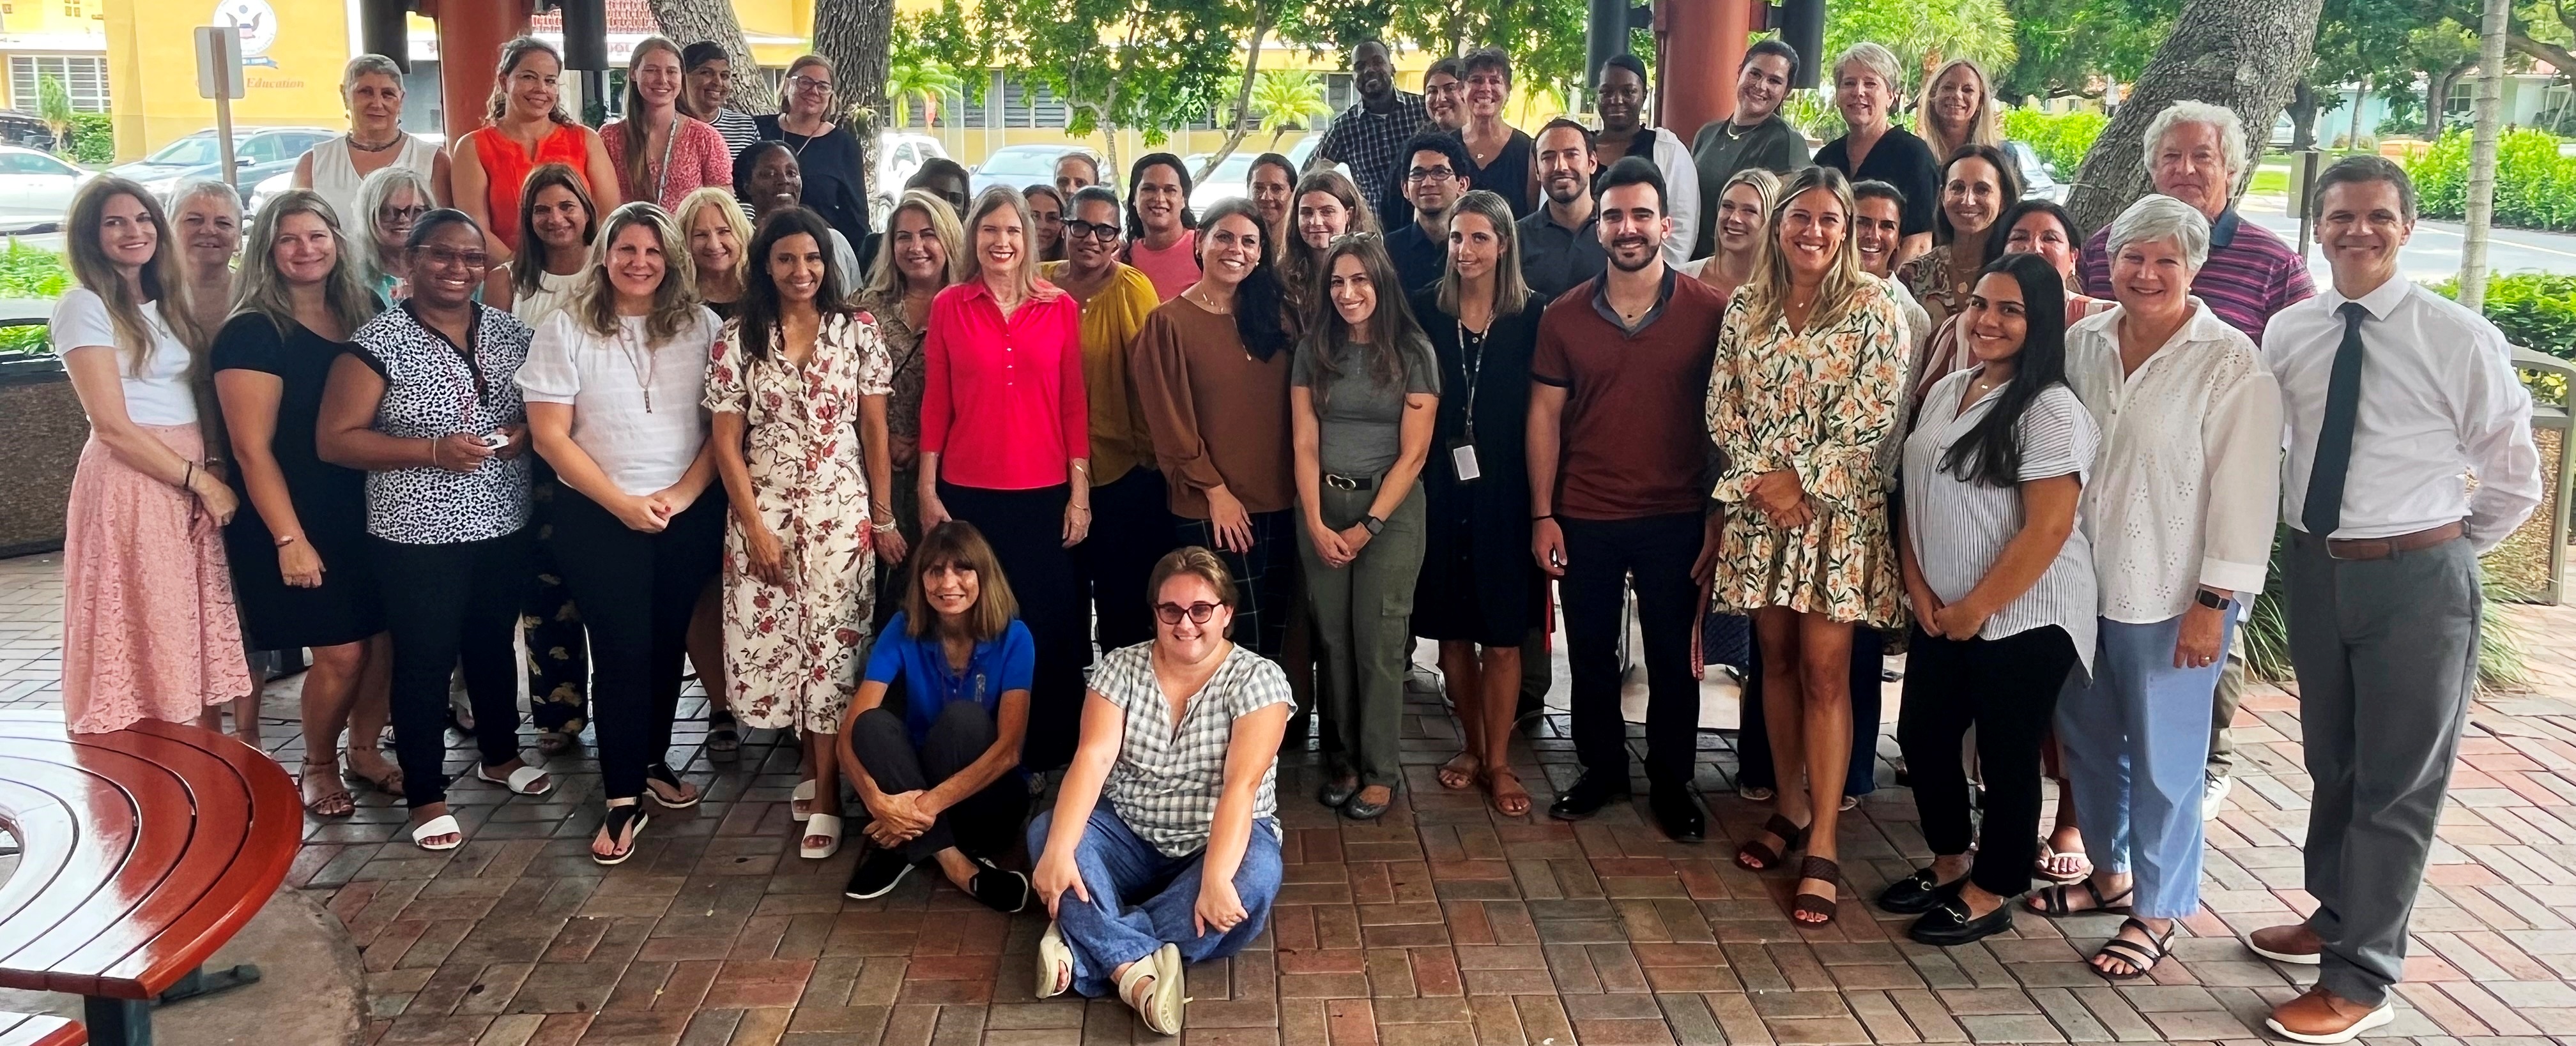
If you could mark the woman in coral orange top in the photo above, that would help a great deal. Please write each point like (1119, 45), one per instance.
(526, 128)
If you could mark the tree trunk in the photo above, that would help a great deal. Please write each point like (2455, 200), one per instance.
(855, 36)
(2437, 97)
(689, 21)
(1242, 94)
(2360, 99)
(2482, 154)
(2242, 54)
(2303, 121)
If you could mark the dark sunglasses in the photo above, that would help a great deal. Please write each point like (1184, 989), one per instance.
(1199, 613)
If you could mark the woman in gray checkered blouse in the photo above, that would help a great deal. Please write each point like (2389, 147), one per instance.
(1191, 801)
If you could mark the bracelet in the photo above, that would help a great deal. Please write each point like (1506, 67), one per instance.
(887, 527)
(1542, 516)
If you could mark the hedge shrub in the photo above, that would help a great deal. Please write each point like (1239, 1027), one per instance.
(2058, 138)
(93, 140)
(2535, 186)
(2535, 310)
(30, 272)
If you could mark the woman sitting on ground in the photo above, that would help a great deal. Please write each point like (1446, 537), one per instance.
(1192, 803)
(940, 772)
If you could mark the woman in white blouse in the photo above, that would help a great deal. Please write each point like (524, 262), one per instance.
(371, 86)
(2001, 585)
(612, 382)
(149, 629)
(2180, 513)
(559, 219)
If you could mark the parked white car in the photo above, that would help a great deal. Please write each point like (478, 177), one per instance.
(36, 187)
(1233, 178)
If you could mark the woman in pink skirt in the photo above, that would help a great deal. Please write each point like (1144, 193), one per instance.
(149, 630)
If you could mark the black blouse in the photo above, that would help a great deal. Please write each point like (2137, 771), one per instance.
(1899, 159)
(836, 186)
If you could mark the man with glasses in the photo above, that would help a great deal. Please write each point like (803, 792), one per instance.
(828, 156)
(1367, 136)
(1434, 178)
(709, 72)
(1561, 241)
(1131, 521)
(1444, 97)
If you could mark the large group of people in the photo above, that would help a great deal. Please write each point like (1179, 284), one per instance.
(1095, 496)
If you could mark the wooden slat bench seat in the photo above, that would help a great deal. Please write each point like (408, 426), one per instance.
(143, 851)
(18, 1029)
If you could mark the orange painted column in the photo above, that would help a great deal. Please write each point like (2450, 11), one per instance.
(470, 35)
(1702, 41)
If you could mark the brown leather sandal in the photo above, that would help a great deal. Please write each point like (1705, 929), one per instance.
(1758, 857)
(1809, 909)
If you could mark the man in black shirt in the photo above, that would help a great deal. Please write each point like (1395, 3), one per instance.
(1561, 241)
(1435, 176)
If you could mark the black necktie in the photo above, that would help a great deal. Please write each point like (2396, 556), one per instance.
(2323, 511)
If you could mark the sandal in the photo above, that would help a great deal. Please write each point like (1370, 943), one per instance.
(390, 782)
(557, 742)
(2141, 958)
(2051, 902)
(660, 773)
(1458, 779)
(443, 824)
(335, 803)
(800, 803)
(722, 736)
(1512, 800)
(1159, 1004)
(819, 826)
(2063, 867)
(1754, 854)
(1055, 964)
(1820, 906)
(624, 824)
(522, 781)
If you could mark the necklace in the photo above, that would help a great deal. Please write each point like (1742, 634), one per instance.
(363, 147)
(1203, 301)
(639, 358)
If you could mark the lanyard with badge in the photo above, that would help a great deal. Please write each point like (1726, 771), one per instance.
(1462, 451)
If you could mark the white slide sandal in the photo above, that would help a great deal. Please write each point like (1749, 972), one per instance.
(1055, 964)
(804, 794)
(443, 824)
(520, 782)
(820, 824)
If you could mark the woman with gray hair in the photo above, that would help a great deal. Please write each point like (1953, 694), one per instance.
(2180, 514)
(389, 201)
(1866, 77)
(206, 215)
(372, 87)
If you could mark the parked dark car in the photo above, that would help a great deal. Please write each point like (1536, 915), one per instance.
(258, 153)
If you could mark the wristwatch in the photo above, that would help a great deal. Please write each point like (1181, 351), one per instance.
(1373, 524)
(2214, 601)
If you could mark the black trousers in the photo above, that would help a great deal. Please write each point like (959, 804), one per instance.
(1131, 530)
(984, 824)
(558, 665)
(1753, 748)
(1602, 558)
(445, 604)
(637, 591)
(2007, 688)
(1026, 530)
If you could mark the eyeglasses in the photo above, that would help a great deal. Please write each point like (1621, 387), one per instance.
(1199, 613)
(1075, 229)
(444, 256)
(807, 83)
(393, 215)
(1429, 174)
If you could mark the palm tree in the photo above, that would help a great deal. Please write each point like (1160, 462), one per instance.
(1286, 98)
(54, 107)
(926, 79)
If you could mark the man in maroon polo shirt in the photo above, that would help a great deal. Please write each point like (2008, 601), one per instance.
(1618, 454)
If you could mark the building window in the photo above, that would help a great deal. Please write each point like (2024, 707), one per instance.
(84, 76)
(1027, 103)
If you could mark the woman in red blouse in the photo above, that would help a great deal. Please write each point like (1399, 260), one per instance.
(525, 128)
(1006, 446)
(659, 153)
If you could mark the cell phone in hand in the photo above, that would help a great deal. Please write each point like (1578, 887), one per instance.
(495, 440)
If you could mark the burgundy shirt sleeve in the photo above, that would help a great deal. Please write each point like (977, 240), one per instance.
(935, 408)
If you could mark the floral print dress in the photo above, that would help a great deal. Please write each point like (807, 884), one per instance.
(1825, 403)
(793, 657)
(903, 404)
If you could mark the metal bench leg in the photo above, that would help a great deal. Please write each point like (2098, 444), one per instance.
(202, 982)
(117, 1022)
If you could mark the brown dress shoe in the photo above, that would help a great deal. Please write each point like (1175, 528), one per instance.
(2321, 1016)
(2294, 943)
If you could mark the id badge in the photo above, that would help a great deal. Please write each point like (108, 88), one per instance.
(1462, 457)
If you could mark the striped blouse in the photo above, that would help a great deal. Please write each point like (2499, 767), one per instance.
(1959, 528)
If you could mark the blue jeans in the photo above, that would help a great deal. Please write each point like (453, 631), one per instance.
(1141, 899)
(2136, 742)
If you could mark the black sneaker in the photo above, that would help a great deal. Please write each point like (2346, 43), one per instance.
(1001, 890)
(877, 874)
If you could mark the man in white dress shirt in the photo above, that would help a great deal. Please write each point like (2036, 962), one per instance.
(2383, 576)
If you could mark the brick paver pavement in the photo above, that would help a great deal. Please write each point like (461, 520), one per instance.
(1441, 924)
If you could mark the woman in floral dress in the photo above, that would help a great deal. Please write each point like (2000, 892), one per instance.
(797, 384)
(1805, 399)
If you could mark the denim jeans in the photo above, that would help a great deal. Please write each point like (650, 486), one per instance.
(1141, 899)
(2136, 738)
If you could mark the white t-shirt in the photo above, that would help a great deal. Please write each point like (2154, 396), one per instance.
(159, 395)
(643, 441)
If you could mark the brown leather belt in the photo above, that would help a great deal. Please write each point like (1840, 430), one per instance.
(2382, 548)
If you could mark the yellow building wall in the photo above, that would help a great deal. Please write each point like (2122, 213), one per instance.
(152, 71)
(47, 18)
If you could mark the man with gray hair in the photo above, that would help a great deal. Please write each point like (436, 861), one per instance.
(2195, 152)
(2393, 395)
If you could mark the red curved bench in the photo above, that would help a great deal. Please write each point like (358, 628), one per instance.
(142, 851)
(18, 1029)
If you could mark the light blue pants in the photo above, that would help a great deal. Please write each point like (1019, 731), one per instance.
(2136, 742)
(1141, 899)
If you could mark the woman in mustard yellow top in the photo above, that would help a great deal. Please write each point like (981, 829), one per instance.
(1131, 521)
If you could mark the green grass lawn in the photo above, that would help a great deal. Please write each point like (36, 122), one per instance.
(2271, 180)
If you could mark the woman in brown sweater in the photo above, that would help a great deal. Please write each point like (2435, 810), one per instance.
(1211, 371)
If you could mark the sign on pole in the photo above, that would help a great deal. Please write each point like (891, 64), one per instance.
(219, 76)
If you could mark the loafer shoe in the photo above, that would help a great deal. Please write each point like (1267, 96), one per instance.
(1587, 796)
(1917, 893)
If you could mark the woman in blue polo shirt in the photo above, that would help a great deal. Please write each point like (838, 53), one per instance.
(939, 767)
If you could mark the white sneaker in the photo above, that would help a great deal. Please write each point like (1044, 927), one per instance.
(2213, 794)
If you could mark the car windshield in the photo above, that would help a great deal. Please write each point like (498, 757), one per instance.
(1236, 168)
(191, 151)
(1021, 163)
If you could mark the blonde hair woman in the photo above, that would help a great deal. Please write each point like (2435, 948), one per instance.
(719, 239)
(149, 630)
(1864, 82)
(1743, 215)
(1812, 383)
(1957, 107)
(389, 201)
(299, 558)
(919, 256)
